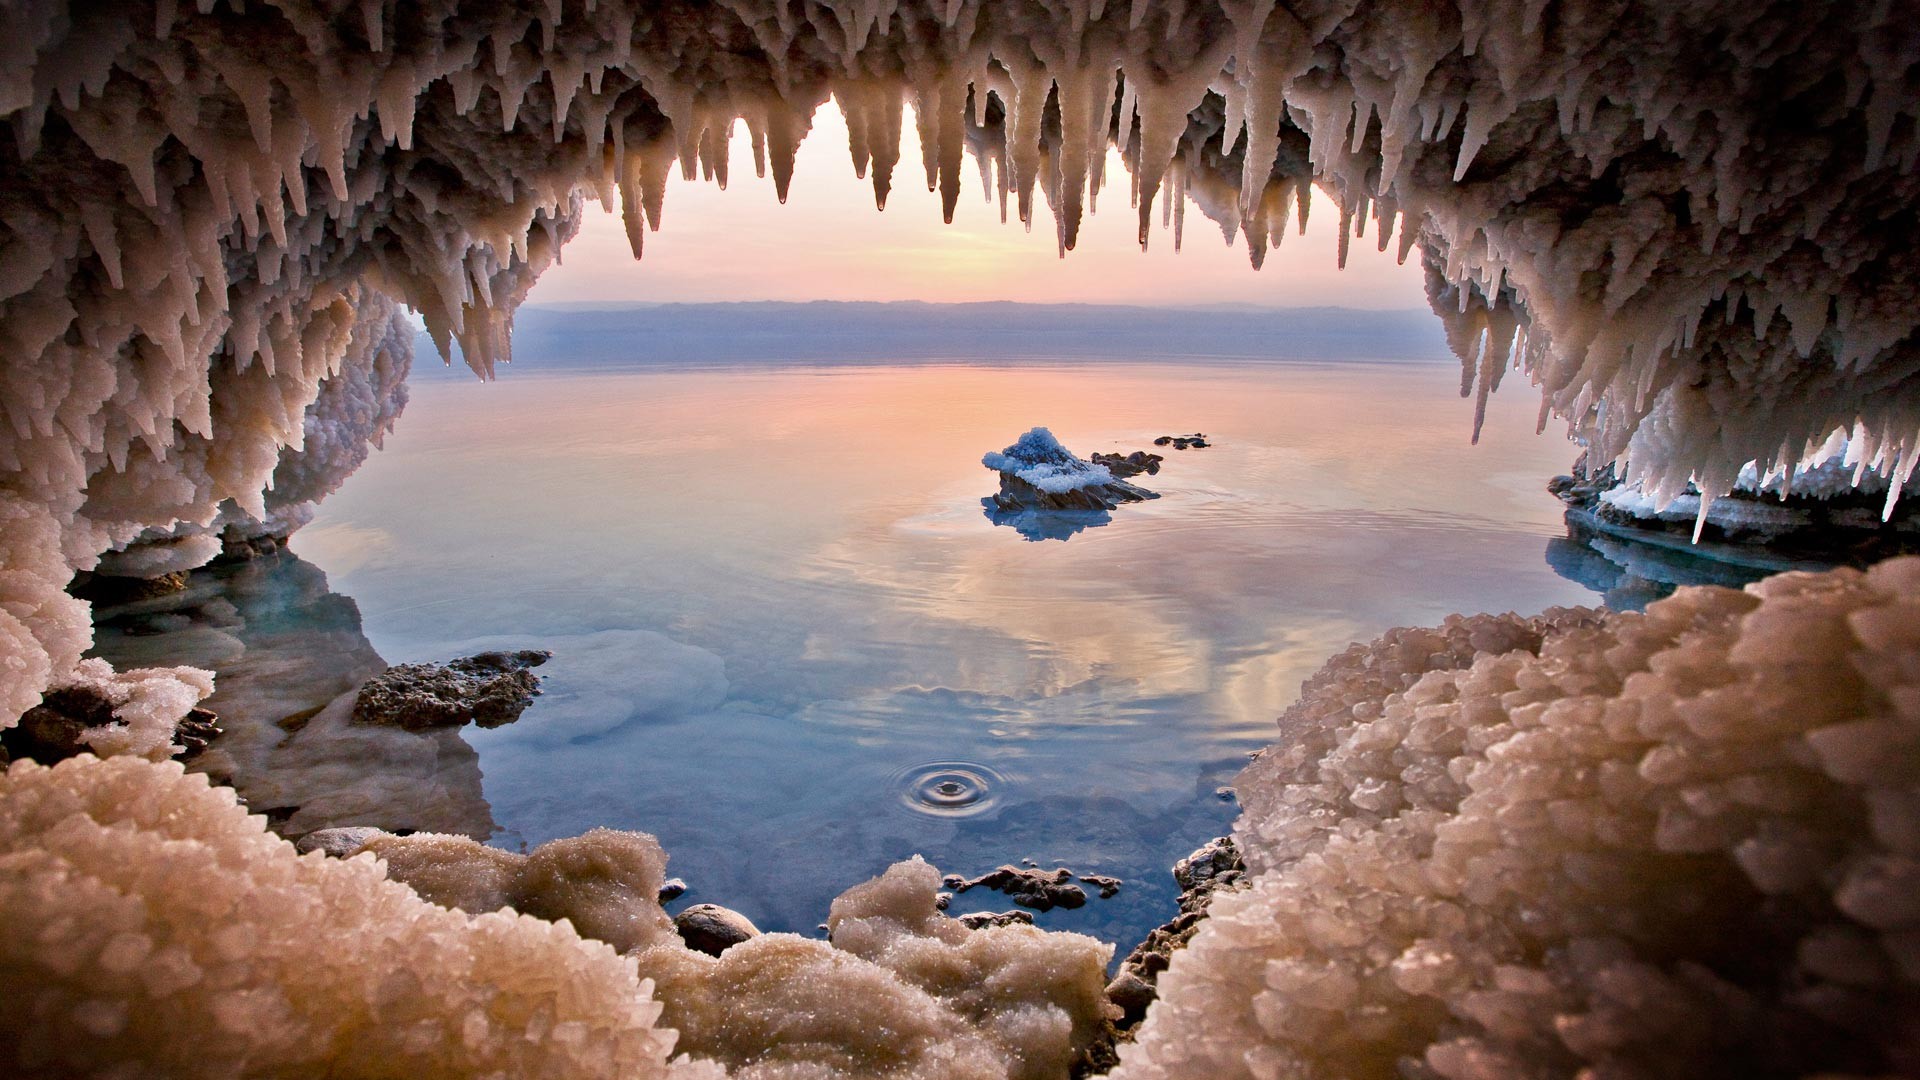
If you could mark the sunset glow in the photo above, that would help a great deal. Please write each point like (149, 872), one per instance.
(829, 243)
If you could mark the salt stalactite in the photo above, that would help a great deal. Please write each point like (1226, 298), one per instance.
(355, 408)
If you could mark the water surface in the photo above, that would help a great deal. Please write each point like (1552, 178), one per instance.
(789, 642)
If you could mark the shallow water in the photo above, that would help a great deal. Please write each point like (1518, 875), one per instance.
(789, 641)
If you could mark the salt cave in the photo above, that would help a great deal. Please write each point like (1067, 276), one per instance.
(1672, 844)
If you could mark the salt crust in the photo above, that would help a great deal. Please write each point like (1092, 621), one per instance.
(155, 929)
(1674, 844)
(902, 991)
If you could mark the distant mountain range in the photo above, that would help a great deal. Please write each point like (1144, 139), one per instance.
(606, 336)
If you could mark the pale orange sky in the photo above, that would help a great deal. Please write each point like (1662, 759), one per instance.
(829, 243)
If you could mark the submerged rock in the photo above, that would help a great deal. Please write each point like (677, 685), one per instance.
(1037, 473)
(712, 929)
(490, 689)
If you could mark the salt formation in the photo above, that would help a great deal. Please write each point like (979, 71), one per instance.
(1037, 473)
(1835, 505)
(902, 990)
(1679, 843)
(172, 935)
(142, 708)
(1691, 225)
(604, 882)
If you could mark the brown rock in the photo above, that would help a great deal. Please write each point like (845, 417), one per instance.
(712, 929)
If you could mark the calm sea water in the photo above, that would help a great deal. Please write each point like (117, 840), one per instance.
(788, 640)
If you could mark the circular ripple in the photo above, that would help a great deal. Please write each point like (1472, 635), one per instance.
(949, 788)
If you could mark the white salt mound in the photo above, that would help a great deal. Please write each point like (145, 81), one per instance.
(901, 992)
(605, 882)
(155, 929)
(1673, 844)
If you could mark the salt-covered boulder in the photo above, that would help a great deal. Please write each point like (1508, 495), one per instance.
(1037, 473)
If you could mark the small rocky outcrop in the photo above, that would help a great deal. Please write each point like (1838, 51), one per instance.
(672, 889)
(1109, 886)
(982, 919)
(712, 929)
(1037, 473)
(1196, 441)
(489, 689)
(1215, 868)
(1125, 465)
(195, 732)
(1041, 890)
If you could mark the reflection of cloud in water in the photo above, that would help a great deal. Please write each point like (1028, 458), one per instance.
(288, 657)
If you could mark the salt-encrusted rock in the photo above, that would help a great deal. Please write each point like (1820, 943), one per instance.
(672, 889)
(101, 711)
(975, 920)
(1109, 886)
(1831, 513)
(1215, 863)
(1041, 890)
(338, 843)
(50, 731)
(712, 929)
(489, 689)
(1037, 473)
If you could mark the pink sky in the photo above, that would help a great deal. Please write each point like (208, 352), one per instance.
(829, 243)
